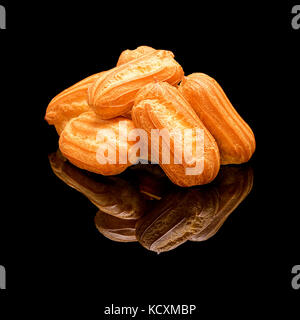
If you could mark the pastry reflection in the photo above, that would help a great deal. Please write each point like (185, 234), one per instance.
(114, 195)
(114, 228)
(196, 213)
(142, 205)
(233, 185)
(177, 217)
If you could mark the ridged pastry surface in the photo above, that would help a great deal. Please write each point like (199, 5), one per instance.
(70, 103)
(160, 106)
(80, 141)
(234, 136)
(129, 55)
(114, 94)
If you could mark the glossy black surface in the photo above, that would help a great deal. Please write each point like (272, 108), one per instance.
(165, 215)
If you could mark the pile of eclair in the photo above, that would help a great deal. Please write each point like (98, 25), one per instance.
(147, 90)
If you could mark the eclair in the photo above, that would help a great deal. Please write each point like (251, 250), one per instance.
(113, 95)
(234, 137)
(96, 145)
(70, 103)
(159, 105)
(129, 55)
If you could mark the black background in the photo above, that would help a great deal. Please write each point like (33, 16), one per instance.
(49, 244)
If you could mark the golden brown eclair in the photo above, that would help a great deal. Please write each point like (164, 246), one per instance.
(113, 94)
(84, 137)
(70, 103)
(234, 137)
(233, 184)
(129, 55)
(159, 105)
(115, 229)
(113, 195)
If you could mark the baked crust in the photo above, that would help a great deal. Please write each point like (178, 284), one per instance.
(129, 55)
(113, 95)
(160, 106)
(234, 137)
(80, 141)
(70, 103)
